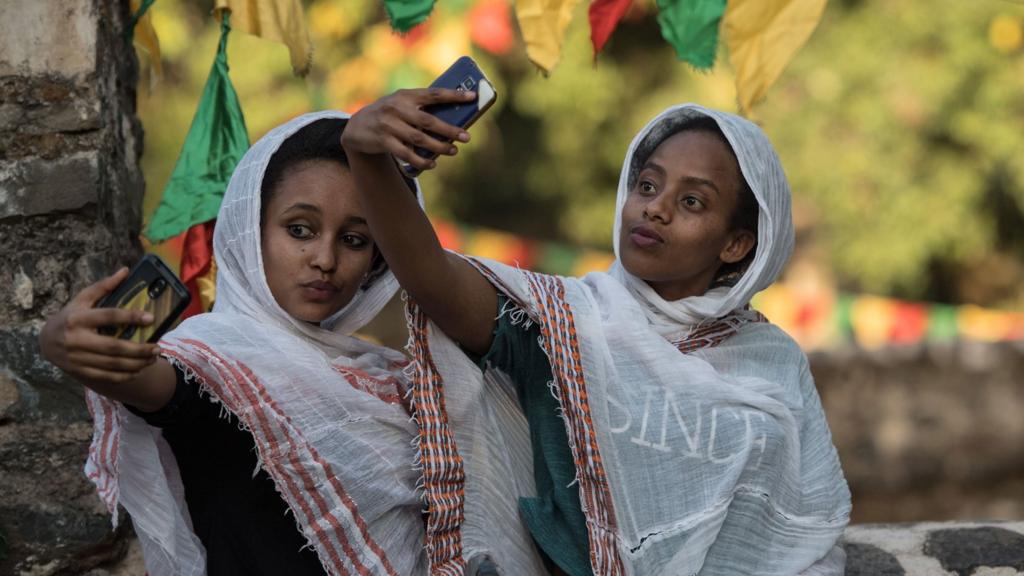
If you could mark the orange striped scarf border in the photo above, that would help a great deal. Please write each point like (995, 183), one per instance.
(444, 477)
(560, 343)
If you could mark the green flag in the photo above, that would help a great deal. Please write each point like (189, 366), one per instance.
(215, 143)
(942, 323)
(691, 26)
(405, 14)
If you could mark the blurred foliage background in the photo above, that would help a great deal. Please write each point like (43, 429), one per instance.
(900, 126)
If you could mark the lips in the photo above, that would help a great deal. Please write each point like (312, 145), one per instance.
(319, 290)
(645, 237)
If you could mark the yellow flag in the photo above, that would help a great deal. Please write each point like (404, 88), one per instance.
(145, 36)
(279, 20)
(763, 36)
(543, 24)
(207, 284)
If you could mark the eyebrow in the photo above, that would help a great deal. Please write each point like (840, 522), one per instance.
(302, 206)
(692, 180)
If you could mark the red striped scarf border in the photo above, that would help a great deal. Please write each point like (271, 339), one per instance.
(386, 389)
(444, 477)
(286, 456)
(101, 465)
(560, 342)
(714, 333)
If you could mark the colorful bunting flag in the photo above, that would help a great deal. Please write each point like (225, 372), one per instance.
(984, 325)
(942, 323)
(909, 324)
(490, 26)
(763, 36)
(604, 17)
(543, 24)
(405, 14)
(279, 20)
(691, 26)
(143, 34)
(215, 143)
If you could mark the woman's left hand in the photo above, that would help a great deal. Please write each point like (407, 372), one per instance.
(397, 125)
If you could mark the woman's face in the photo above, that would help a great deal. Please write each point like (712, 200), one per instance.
(317, 247)
(676, 223)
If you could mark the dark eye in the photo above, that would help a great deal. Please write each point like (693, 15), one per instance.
(647, 188)
(691, 202)
(354, 240)
(300, 231)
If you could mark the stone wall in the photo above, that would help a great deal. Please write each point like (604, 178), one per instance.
(70, 200)
(928, 433)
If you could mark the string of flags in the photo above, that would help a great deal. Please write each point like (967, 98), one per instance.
(762, 36)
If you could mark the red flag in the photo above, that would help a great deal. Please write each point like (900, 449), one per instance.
(196, 260)
(604, 17)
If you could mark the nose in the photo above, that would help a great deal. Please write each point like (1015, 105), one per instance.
(658, 208)
(324, 256)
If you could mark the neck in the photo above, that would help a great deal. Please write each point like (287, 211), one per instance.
(672, 290)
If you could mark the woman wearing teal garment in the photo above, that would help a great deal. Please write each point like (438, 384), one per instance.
(639, 421)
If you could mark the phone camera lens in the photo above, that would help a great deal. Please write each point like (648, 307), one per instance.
(467, 83)
(157, 288)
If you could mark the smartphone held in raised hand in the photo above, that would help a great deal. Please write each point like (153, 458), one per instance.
(151, 287)
(463, 75)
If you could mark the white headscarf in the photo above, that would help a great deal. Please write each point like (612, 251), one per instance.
(698, 437)
(761, 168)
(325, 410)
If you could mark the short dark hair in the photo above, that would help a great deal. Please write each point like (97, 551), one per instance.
(318, 140)
(747, 210)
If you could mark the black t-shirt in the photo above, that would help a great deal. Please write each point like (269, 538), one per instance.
(236, 511)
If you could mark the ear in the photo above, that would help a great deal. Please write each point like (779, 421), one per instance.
(741, 243)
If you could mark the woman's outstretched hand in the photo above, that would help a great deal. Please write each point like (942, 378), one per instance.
(70, 338)
(125, 371)
(397, 125)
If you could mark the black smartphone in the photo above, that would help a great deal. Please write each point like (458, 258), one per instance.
(150, 286)
(463, 75)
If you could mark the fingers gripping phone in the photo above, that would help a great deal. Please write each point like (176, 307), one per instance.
(152, 287)
(463, 75)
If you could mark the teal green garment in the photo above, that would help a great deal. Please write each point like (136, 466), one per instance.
(554, 517)
(215, 143)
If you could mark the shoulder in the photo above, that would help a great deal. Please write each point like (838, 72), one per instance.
(765, 352)
(767, 342)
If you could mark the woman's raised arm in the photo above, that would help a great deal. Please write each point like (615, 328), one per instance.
(449, 290)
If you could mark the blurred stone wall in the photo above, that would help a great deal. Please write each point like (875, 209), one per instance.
(70, 201)
(932, 432)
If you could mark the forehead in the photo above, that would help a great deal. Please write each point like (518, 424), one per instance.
(323, 183)
(697, 153)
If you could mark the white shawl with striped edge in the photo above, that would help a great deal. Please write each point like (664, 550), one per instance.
(325, 410)
(698, 437)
